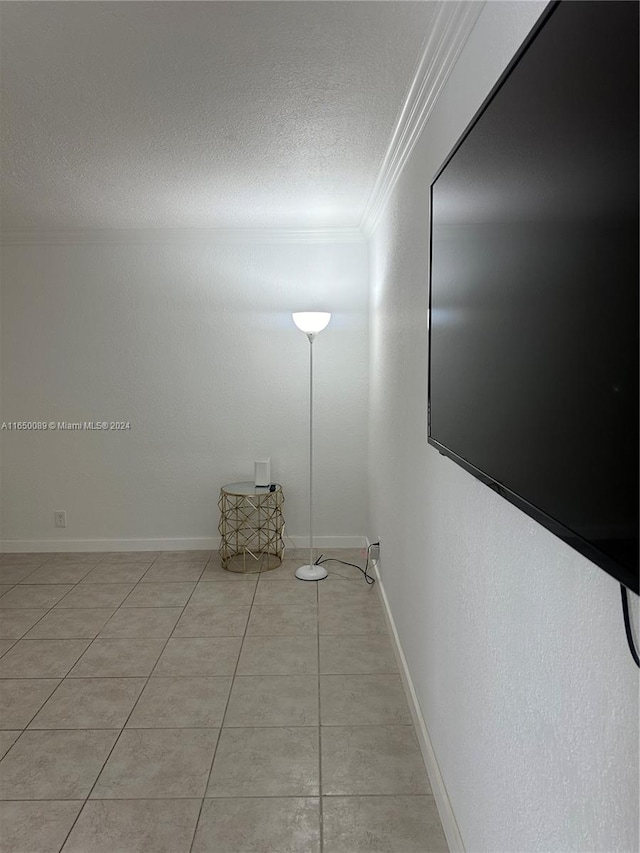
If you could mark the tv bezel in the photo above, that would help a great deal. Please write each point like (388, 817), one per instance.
(622, 574)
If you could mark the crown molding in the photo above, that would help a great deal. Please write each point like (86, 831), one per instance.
(177, 236)
(452, 27)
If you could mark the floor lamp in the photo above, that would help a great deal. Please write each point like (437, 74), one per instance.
(311, 322)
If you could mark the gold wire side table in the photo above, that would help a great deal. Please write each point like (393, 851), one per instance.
(251, 527)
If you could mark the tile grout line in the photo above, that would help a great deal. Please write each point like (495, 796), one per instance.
(86, 799)
(65, 676)
(12, 642)
(62, 678)
(47, 611)
(221, 799)
(166, 728)
(226, 707)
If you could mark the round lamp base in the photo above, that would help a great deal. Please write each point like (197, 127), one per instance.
(311, 573)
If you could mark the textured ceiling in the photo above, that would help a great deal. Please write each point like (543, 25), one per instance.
(201, 114)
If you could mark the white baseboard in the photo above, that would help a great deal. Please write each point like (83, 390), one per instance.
(443, 803)
(21, 546)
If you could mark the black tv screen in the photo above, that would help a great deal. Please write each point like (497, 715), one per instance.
(533, 310)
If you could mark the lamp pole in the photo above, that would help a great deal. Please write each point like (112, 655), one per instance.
(311, 322)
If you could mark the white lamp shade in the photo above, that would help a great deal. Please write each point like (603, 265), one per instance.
(311, 322)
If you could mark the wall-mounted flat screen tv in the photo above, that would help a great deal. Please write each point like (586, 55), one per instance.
(533, 309)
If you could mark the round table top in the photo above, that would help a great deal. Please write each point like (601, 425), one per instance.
(247, 489)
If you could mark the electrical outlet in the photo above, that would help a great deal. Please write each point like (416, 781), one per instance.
(374, 551)
(60, 518)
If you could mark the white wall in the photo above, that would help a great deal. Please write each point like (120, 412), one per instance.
(514, 642)
(194, 345)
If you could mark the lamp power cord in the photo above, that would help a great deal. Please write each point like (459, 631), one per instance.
(368, 578)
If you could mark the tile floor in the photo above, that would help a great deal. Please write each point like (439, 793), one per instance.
(154, 702)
